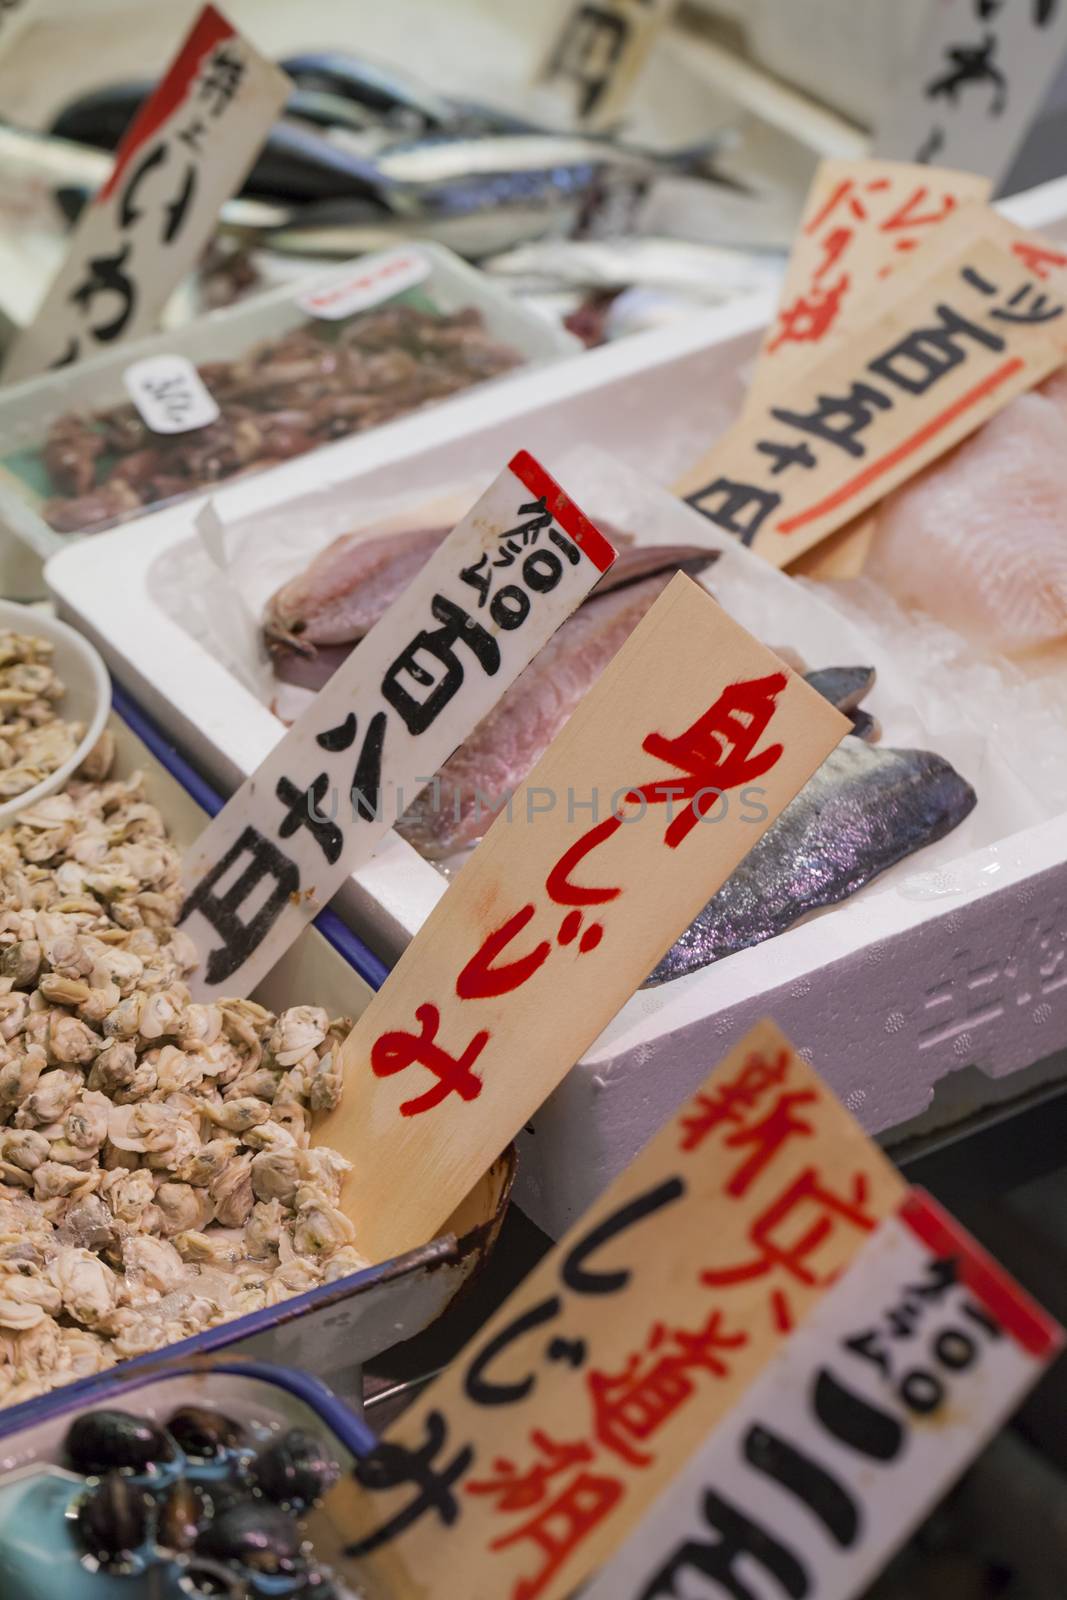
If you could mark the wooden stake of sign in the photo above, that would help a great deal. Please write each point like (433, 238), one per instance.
(188, 149)
(430, 669)
(602, 48)
(636, 814)
(967, 328)
(834, 1455)
(582, 1397)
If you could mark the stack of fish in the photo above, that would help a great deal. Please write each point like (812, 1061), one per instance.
(867, 807)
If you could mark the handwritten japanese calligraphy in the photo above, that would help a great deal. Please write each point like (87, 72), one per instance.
(600, 50)
(320, 802)
(574, 1407)
(894, 1382)
(556, 920)
(977, 80)
(188, 149)
(968, 325)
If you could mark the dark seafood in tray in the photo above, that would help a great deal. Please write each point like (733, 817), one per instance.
(218, 1513)
(286, 396)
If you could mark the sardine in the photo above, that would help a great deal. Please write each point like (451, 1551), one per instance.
(456, 809)
(704, 271)
(865, 809)
(384, 90)
(844, 687)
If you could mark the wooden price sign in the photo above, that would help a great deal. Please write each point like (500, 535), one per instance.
(977, 81)
(188, 149)
(970, 325)
(870, 1412)
(427, 673)
(601, 49)
(636, 814)
(523, 1468)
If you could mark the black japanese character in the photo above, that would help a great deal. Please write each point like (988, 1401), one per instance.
(480, 580)
(823, 1494)
(193, 134)
(221, 81)
(302, 811)
(175, 210)
(107, 276)
(839, 419)
(527, 532)
(735, 499)
(916, 362)
(439, 643)
(971, 64)
(481, 1389)
(576, 1274)
(593, 30)
(70, 354)
(365, 790)
(265, 862)
(1044, 11)
(394, 1464)
(741, 1542)
(786, 455)
(931, 147)
(854, 1421)
(1040, 311)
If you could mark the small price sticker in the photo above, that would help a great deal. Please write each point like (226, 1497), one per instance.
(377, 278)
(170, 395)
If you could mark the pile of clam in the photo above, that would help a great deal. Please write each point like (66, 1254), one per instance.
(155, 1170)
(196, 1508)
(34, 739)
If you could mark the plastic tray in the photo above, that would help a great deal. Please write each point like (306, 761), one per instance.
(28, 409)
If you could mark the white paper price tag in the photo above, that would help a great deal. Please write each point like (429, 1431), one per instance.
(170, 394)
(423, 678)
(867, 1415)
(375, 279)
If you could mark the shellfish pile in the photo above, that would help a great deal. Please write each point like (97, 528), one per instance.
(34, 739)
(155, 1170)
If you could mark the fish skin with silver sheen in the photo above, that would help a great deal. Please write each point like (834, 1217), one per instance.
(709, 272)
(865, 809)
(844, 687)
(448, 815)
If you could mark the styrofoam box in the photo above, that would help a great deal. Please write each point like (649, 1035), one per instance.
(28, 409)
(888, 994)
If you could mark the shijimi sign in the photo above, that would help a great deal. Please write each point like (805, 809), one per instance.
(438, 660)
(556, 920)
(523, 1468)
(758, 1351)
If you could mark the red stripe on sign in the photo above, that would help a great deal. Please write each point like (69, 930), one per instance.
(209, 30)
(877, 469)
(1012, 1307)
(575, 522)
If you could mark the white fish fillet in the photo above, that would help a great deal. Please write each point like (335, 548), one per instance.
(980, 538)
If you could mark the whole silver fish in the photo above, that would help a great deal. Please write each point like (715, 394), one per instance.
(865, 809)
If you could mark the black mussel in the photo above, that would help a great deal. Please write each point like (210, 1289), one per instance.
(295, 1470)
(261, 1537)
(205, 1434)
(112, 1519)
(108, 1441)
(182, 1514)
(201, 1578)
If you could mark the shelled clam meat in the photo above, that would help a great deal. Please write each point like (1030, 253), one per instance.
(34, 740)
(155, 1170)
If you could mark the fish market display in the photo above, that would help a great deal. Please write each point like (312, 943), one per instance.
(980, 538)
(315, 384)
(34, 739)
(865, 809)
(203, 1502)
(155, 1174)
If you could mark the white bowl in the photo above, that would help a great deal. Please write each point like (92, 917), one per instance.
(88, 696)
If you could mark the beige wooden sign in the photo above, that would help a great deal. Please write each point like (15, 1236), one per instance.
(601, 49)
(675, 763)
(522, 1469)
(959, 334)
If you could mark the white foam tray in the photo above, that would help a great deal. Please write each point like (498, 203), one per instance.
(888, 994)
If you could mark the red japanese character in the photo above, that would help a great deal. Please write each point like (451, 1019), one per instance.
(729, 1104)
(561, 1525)
(631, 1405)
(810, 317)
(717, 753)
(846, 190)
(479, 979)
(392, 1052)
(834, 246)
(791, 1255)
(1038, 258)
(908, 215)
